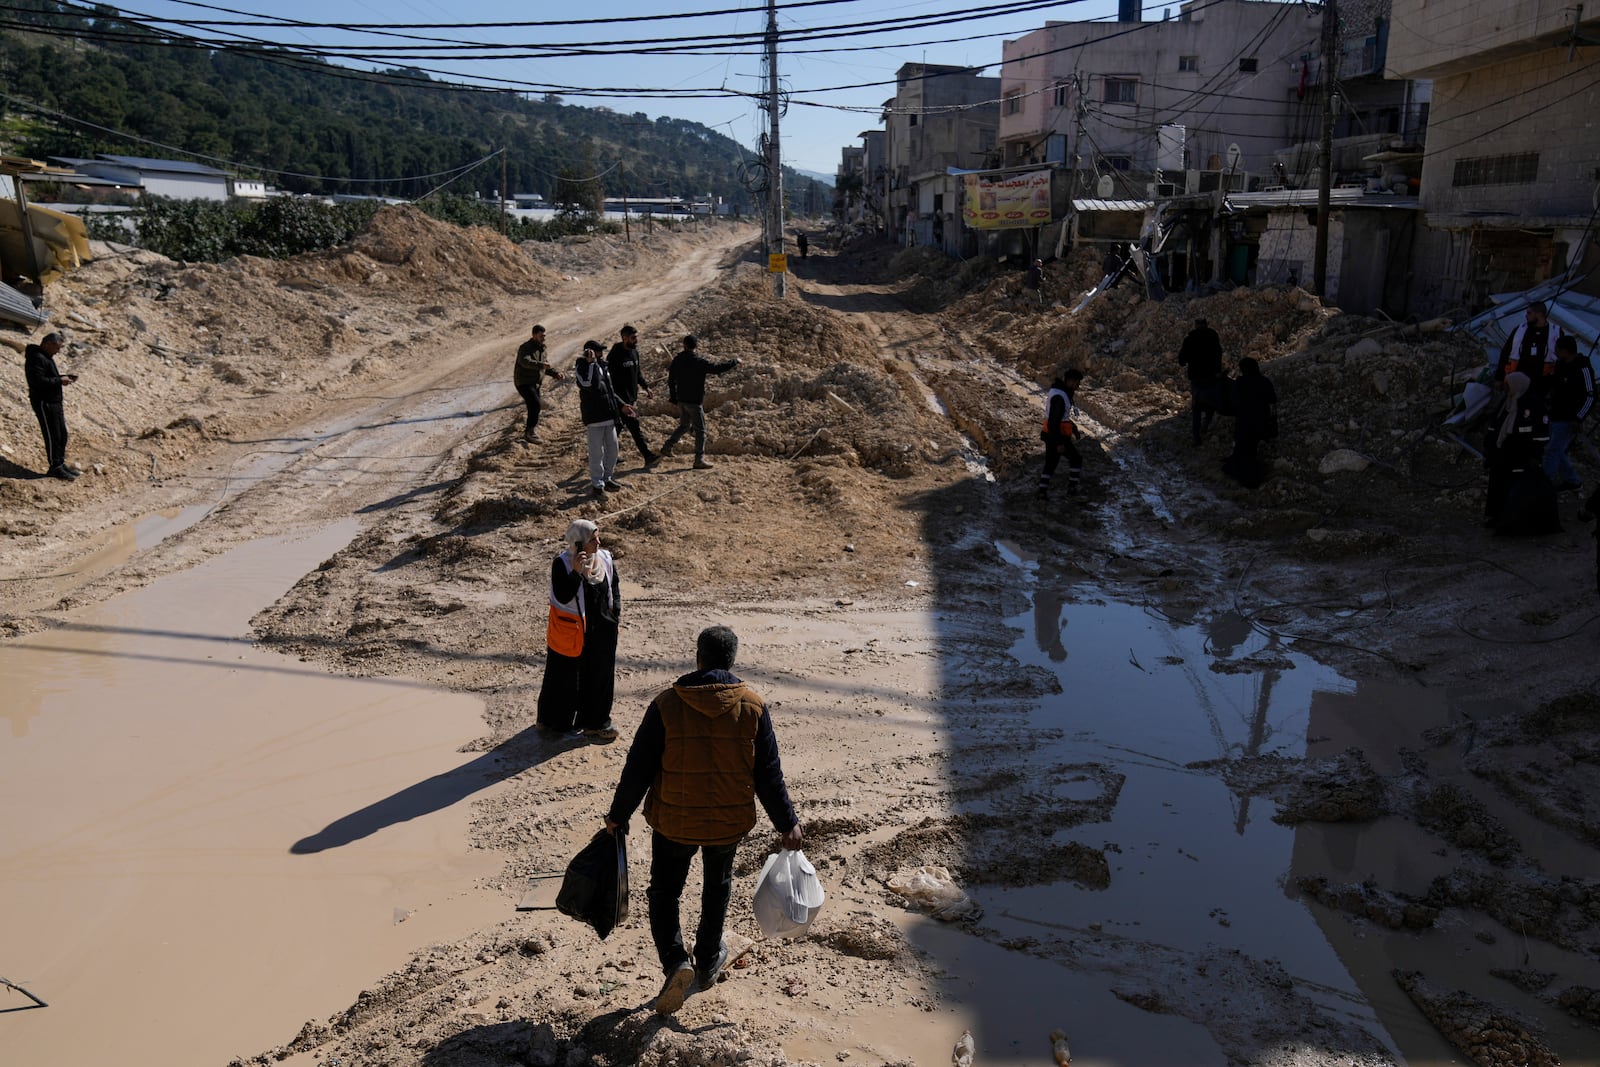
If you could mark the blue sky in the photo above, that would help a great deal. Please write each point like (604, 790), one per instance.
(811, 135)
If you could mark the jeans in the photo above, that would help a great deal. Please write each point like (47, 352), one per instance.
(1557, 464)
(602, 452)
(669, 870)
(690, 417)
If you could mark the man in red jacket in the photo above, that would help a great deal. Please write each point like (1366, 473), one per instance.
(705, 753)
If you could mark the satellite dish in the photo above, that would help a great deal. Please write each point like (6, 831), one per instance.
(1106, 187)
(1233, 157)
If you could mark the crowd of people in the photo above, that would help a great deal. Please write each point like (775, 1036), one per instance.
(609, 385)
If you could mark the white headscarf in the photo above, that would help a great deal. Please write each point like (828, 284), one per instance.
(578, 534)
(1516, 384)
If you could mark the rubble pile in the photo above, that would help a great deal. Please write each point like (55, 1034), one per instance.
(813, 383)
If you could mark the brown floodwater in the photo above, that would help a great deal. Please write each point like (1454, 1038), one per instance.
(157, 772)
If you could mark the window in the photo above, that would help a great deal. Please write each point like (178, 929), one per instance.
(1248, 65)
(1118, 162)
(1063, 93)
(1121, 91)
(1190, 64)
(1497, 170)
(1013, 102)
(913, 118)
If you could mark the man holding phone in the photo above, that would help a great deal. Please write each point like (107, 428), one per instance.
(44, 393)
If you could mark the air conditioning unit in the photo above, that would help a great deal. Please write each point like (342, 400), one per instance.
(1166, 189)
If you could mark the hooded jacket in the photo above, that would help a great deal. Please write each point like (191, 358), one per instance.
(44, 380)
(705, 752)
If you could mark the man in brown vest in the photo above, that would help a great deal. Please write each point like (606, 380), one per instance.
(705, 753)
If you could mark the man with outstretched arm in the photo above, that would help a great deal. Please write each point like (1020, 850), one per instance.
(703, 755)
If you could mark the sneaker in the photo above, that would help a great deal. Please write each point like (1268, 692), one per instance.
(532, 437)
(710, 976)
(614, 485)
(603, 735)
(701, 465)
(666, 450)
(599, 491)
(62, 473)
(652, 459)
(676, 987)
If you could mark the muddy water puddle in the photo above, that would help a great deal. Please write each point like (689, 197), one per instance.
(158, 771)
(1197, 868)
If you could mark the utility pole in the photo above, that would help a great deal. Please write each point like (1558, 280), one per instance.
(774, 156)
(502, 189)
(627, 234)
(1330, 70)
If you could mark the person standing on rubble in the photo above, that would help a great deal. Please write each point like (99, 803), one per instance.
(686, 384)
(44, 395)
(1201, 356)
(1034, 280)
(1571, 398)
(1059, 431)
(602, 413)
(528, 374)
(1531, 349)
(627, 378)
(1255, 419)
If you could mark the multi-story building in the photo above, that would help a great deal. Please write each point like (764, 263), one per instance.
(941, 117)
(1219, 89)
(1511, 174)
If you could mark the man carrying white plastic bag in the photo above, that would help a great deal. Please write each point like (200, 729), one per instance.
(704, 753)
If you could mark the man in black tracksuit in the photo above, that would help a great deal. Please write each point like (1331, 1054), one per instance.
(44, 393)
(686, 384)
(528, 374)
(627, 378)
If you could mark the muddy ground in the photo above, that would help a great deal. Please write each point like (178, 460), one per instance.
(877, 444)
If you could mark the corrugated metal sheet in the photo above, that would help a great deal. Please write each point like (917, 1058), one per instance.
(1308, 198)
(1112, 205)
(14, 307)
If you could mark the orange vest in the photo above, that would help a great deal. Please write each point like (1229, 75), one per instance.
(1068, 427)
(563, 632)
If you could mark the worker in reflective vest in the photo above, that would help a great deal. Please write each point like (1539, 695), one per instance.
(1059, 430)
(581, 639)
(1531, 349)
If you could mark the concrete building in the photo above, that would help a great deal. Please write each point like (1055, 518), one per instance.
(1216, 89)
(875, 175)
(1510, 178)
(941, 117)
(848, 183)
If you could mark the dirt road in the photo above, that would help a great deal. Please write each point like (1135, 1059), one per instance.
(1140, 793)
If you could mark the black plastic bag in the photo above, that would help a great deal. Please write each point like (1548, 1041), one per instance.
(595, 889)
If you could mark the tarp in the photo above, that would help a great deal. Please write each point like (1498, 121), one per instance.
(994, 202)
(60, 241)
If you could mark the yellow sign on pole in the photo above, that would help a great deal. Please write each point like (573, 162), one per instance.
(777, 263)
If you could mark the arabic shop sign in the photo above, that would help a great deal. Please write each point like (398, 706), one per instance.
(994, 202)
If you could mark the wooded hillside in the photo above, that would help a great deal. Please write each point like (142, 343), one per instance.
(64, 74)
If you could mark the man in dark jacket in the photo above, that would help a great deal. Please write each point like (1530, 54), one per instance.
(705, 752)
(528, 374)
(627, 378)
(1255, 419)
(1201, 356)
(602, 412)
(686, 385)
(1571, 398)
(44, 393)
